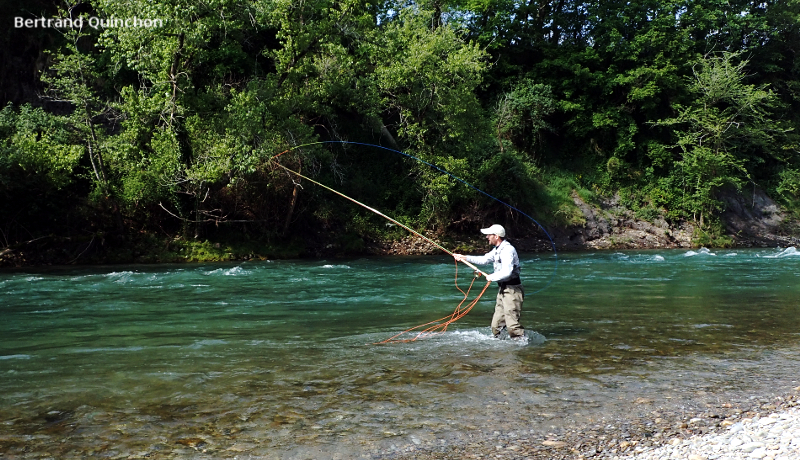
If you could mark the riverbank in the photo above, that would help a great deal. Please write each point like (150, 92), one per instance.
(764, 425)
(776, 436)
(748, 223)
(53, 251)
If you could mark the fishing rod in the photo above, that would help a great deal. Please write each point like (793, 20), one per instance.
(443, 171)
(382, 215)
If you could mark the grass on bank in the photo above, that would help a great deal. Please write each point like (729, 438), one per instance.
(151, 249)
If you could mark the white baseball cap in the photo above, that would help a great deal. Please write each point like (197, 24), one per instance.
(495, 230)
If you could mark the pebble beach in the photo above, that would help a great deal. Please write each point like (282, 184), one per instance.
(773, 437)
(750, 427)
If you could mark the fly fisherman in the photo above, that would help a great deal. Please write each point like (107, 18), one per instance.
(508, 307)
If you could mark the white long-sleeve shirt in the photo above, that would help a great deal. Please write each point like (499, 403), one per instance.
(505, 260)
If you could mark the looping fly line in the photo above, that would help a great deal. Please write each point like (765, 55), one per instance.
(440, 325)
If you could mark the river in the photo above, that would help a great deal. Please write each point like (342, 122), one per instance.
(278, 358)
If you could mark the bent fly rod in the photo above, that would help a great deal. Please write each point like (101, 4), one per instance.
(382, 215)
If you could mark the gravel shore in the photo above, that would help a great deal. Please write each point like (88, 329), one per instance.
(754, 427)
(774, 437)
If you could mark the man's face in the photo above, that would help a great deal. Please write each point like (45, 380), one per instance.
(494, 240)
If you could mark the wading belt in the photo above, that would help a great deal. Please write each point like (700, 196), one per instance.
(512, 282)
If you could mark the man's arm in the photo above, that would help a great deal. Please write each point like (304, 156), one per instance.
(477, 260)
(474, 260)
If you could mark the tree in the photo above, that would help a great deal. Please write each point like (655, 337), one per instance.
(520, 115)
(38, 165)
(74, 79)
(723, 132)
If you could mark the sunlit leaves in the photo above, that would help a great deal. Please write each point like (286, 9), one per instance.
(521, 114)
(39, 144)
(717, 132)
(427, 77)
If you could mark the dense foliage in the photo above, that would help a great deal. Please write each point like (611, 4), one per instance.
(172, 129)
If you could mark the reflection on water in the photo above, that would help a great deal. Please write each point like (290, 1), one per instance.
(276, 358)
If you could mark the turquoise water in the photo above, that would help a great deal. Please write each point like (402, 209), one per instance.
(276, 358)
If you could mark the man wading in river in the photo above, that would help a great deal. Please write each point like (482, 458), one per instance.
(506, 272)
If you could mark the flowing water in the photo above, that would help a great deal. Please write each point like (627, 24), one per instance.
(277, 358)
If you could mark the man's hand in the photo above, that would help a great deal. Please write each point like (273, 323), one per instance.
(460, 257)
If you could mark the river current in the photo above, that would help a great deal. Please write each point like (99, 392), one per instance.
(277, 358)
